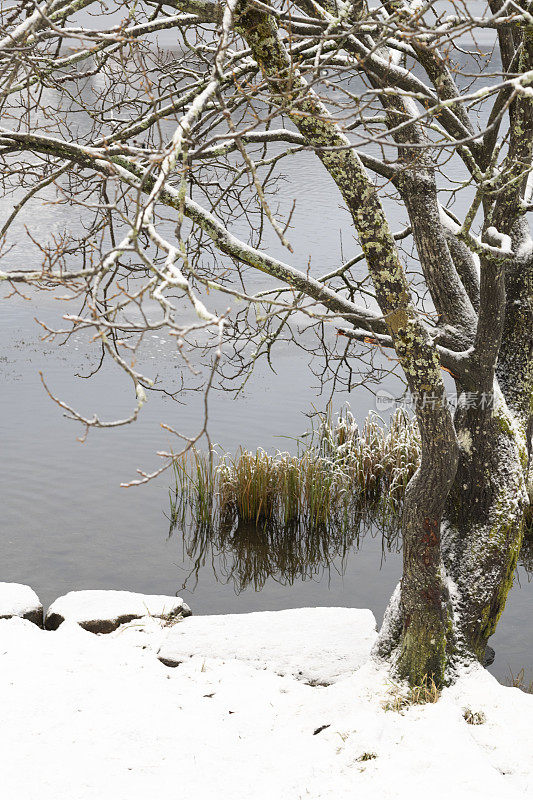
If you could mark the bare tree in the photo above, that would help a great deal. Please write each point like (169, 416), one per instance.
(166, 152)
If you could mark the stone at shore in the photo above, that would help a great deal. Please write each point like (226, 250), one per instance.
(314, 645)
(103, 610)
(19, 600)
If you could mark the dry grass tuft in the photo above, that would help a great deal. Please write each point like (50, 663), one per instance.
(402, 697)
(379, 459)
(367, 757)
(519, 681)
(474, 717)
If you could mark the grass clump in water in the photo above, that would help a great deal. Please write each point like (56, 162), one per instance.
(378, 459)
(341, 469)
(286, 516)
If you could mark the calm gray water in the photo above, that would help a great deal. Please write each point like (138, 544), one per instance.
(66, 524)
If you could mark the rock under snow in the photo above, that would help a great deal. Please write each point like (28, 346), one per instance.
(19, 600)
(316, 645)
(102, 611)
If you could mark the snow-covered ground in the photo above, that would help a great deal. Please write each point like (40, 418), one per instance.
(100, 717)
(316, 645)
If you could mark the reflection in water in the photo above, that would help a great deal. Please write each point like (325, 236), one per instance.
(248, 554)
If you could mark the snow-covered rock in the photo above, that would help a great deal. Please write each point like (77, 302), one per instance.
(19, 600)
(316, 645)
(102, 611)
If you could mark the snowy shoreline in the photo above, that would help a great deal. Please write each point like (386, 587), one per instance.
(283, 704)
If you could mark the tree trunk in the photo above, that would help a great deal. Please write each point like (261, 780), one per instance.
(487, 505)
(479, 543)
(485, 516)
(426, 635)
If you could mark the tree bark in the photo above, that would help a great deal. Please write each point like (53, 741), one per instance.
(485, 514)
(426, 636)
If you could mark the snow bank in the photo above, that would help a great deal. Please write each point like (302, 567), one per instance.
(19, 600)
(102, 611)
(99, 718)
(317, 645)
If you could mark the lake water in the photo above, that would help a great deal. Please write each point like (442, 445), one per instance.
(67, 525)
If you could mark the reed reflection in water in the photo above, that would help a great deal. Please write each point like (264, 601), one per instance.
(249, 554)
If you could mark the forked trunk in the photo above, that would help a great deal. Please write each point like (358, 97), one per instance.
(461, 544)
